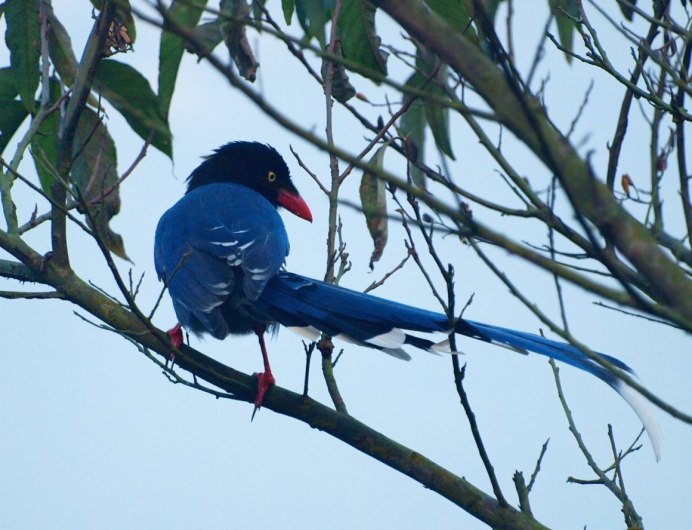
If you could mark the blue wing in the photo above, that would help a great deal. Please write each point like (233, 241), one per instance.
(219, 242)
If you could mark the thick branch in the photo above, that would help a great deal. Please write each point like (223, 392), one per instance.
(16, 271)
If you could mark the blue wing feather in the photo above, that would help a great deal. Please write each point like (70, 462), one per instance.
(378, 312)
(202, 242)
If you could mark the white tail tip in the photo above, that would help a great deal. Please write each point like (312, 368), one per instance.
(646, 415)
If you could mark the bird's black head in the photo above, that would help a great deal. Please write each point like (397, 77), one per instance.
(259, 167)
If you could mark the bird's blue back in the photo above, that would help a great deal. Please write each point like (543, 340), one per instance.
(218, 242)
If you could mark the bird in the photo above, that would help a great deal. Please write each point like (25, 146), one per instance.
(221, 249)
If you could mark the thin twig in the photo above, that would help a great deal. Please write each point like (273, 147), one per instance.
(477, 437)
(309, 348)
(630, 513)
(374, 285)
(537, 469)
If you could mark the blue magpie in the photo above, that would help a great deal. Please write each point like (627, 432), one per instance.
(221, 248)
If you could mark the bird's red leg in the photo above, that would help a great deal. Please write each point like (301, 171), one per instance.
(264, 379)
(176, 335)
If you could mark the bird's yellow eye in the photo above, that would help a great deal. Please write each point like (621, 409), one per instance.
(271, 176)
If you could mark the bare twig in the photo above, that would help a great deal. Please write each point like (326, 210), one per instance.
(631, 517)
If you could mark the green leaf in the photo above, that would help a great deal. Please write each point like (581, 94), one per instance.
(209, 35)
(436, 114)
(359, 40)
(412, 128)
(288, 6)
(454, 12)
(233, 14)
(342, 89)
(426, 110)
(626, 6)
(94, 169)
(312, 16)
(12, 115)
(373, 200)
(8, 85)
(131, 95)
(94, 177)
(124, 17)
(61, 54)
(565, 11)
(44, 144)
(258, 13)
(171, 48)
(60, 48)
(23, 38)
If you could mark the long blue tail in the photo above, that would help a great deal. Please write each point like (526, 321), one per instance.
(311, 307)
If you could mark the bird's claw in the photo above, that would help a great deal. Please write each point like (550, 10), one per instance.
(176, 335)
(264, 381)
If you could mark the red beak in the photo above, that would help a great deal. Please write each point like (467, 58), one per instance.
(295, 204)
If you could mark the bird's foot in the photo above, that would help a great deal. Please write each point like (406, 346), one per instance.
(264, 381)
(176, 336)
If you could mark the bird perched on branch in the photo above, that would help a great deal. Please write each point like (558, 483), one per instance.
(220, 250)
